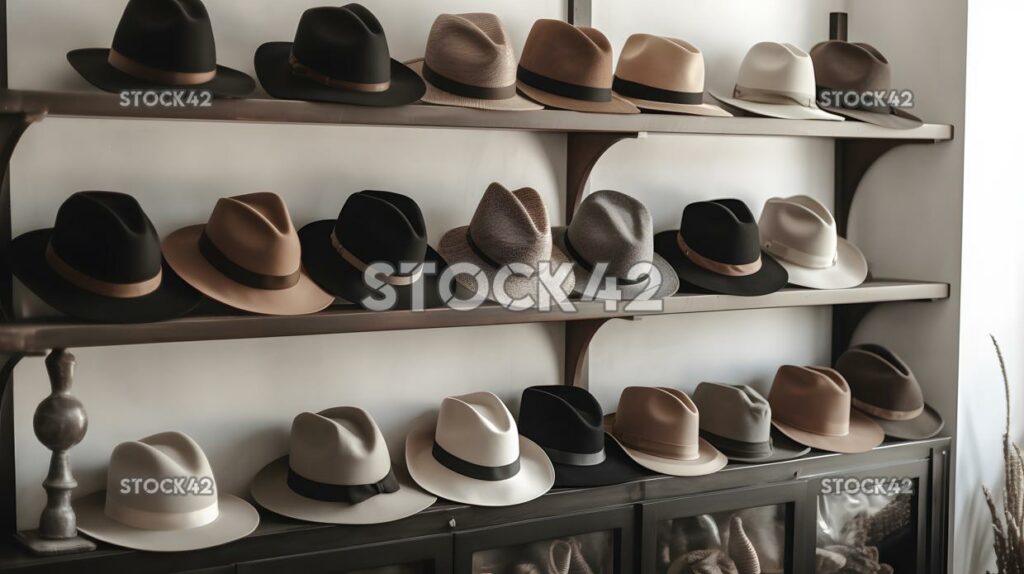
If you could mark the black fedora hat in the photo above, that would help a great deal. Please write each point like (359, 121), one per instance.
(717, 249)
(161, 44)
(567, 423)
(339, 55)
(373, 227)
(101, 262)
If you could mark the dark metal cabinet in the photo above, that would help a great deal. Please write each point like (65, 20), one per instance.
(425, 555)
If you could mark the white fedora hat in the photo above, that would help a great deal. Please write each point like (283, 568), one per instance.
(777, 80)
(800, 233)
(161, 496)
(475, 455)
(338, 471)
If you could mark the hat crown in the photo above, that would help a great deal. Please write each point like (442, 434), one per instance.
(473, 49)
(613, 228)
(107, 236)
(577, 55)
(346, 44)
(812, 399)
(878, 377)
(662, 62)
(736, 412)
(780, 69)
(255, 232)
(563, 418)
(657, 415)
(478, 428)
(170, 35)
(850, 66)
(512, 226)
(799, 229)
(382, 226)
(340, 446)
(722, 230)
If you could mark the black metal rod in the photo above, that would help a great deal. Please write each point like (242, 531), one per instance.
(838, 23)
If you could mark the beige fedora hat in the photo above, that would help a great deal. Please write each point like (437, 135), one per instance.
(659, 428)
(469, 63)
(161, 496)
(812, 405)
(801, 234)
(475, 455)
(570, 67)
(247, 256)
(777, 80)
(663, 74)
(338, 471)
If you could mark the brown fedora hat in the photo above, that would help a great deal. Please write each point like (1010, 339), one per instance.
(663, 74)
(812, 405)
(569, 67)
(247, 256)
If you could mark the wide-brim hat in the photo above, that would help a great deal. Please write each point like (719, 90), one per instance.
(437, 96)
(94, 65)
(924, 426)
(669, 280)
(768, 279)
(850, 269)
(782, 448)
(782, 111)
(863, 436)
(709, 460)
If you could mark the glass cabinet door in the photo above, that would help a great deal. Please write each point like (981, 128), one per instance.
(424, 555)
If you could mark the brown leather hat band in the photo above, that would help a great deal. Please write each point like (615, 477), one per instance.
(658, 448)
(887, 414)
(150, 74)
(97, 286)
(773, 96)
(240, 274)
(312, 75)
(466, 90)
(564, 89)
(729, 269)
(362, 266)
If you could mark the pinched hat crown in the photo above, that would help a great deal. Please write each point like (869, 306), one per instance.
(811, 399)
(578, 55)
(850, 66)
(477, 428)
(723, 231)
(799, 230)
(658, 420)
(663, 63)
(613, 228)
(345, 45)
(472, 49)
(339, 446)
(563, 418)
(254, 233)
(881, 383)
(511, 226)
(775, 73)
(165, 36)
(735, 412)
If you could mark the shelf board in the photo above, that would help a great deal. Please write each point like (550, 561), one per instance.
(38, 336)
(259, 110)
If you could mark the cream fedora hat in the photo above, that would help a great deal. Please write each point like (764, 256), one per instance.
(801, 234)
(161, 496)
(475, 455)
(664, 75)
(338, 471)
(469, 62)
(777, 80)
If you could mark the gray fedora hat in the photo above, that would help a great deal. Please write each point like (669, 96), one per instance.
(737, 420)
(615, 229)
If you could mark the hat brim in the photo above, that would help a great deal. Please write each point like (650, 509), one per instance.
(782, 111)
(669, 280)
(769, 279)
(270, 490)
(864, 435)
(336, 276)
(275, 74)
(173, 298)
(236, 519)
(617, 468)
(437, 96)
(783, 448)
(92, 64)
(894, 118)
(710, 110)
(709, 459)
(181, 249)
(536, 474)
(850, 270)
(924, 426)
(454, 248)
(616, 105)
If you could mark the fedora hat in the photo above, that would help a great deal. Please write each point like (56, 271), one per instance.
(162, 496)
(469, 63)
(737, 420)
(777, 80)
(566, 422)
(339, 55)
(663, 74)
(373, 227)
(338, 471)
(885, 389)
(475, 455)
(247, 256)
(613, 228)
(811, 405)
(161, 44)
(717, 249)
(507, 227)
(801, 234)
(101, 262)
(569, 67)
(659, 428)
(853, 67)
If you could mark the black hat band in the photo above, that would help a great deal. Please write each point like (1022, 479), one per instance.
(141, 71)
(349, 494)
(473, 470)
(303, 71)
(564, 89)
(652, 94)
(466, 90)
(397, 279)
(574, 458)
(240, 274)
(98, 286)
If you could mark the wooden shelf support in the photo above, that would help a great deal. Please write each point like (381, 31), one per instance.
(584, 149)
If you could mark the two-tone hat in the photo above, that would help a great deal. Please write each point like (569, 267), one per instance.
(663, 74)
(474, 454)
(162, 496)
(885, 389)
(737, 420)
(338, 471)
(158, 45)
(812, 405)
(469, 62)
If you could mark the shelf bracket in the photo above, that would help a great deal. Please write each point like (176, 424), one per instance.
(12, 126)
(578, 335)
(584, 149)
(845, 319)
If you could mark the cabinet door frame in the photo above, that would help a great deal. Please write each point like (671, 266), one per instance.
(435, 550)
